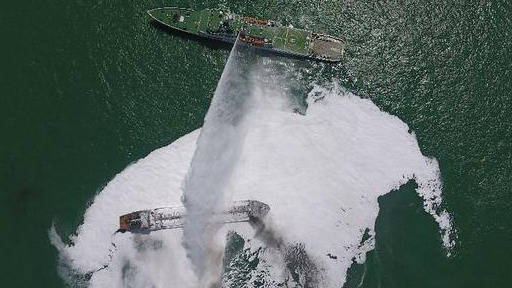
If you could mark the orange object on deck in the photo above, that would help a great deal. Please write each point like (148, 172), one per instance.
(251, 40)
(255, 20)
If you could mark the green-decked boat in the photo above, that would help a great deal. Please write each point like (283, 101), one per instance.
(268, 35)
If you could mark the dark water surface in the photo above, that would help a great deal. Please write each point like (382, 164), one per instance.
(87, 87)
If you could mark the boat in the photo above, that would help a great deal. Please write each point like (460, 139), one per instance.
(222, 25)
(146, 221)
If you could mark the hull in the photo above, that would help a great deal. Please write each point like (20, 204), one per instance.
(266, 35)
(146, 221)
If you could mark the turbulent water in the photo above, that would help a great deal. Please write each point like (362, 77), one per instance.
(320, 172)
(99, 111)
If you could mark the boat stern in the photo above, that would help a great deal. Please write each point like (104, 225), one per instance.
(124, 223)
(326, 48)
(135, 221)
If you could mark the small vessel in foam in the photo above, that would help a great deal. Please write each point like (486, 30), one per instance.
(146, 221)
(222, 25)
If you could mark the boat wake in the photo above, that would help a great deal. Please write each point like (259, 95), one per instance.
(320, 172)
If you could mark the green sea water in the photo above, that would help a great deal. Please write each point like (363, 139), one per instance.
(87, 87)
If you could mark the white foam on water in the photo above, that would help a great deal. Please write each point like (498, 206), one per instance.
(320, 173)
(154, 181)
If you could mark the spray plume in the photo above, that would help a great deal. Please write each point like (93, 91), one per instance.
(218, 148)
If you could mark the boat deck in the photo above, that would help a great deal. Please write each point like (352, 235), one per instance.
(225, 26)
